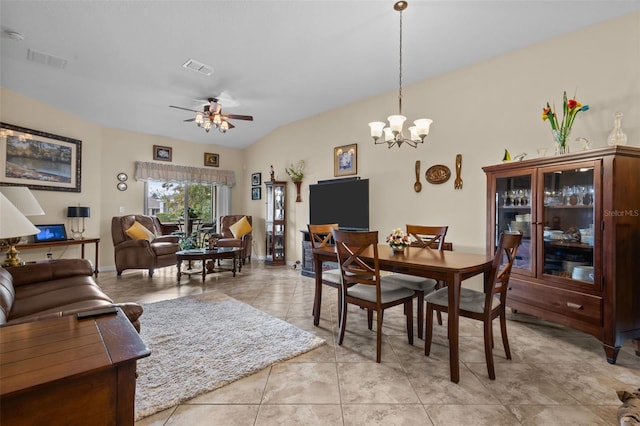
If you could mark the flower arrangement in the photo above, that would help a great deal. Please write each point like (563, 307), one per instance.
(398, 240)
(570, 108)
(296, 172)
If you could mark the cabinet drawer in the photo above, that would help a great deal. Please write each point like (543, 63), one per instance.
(569, 303)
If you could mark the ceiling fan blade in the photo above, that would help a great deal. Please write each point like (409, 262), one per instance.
(231, 126)
(237, 117)
(186, 109)
(190, 119)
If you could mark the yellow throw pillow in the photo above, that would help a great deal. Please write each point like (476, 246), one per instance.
(138, 231)
(241, 228)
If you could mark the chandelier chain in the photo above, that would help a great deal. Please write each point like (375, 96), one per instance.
(400, 73)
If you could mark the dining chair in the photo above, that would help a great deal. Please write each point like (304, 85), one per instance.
(423, 236)
(362, 285)
(484, 305)
(320, 236)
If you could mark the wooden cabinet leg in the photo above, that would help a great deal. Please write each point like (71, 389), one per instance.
(636, 346)
(611, 352)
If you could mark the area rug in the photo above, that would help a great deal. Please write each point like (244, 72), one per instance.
(201, 343)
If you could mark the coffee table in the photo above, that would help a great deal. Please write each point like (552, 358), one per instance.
(209, 258)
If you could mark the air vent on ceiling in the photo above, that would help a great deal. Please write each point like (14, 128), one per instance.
(46, 59)
(197, 66)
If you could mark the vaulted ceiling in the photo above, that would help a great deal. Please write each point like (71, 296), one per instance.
(119, 63)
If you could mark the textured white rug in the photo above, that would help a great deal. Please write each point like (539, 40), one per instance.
(201, 343)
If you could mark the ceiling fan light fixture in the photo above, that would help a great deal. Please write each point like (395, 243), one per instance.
(224, 126)
(393, 134)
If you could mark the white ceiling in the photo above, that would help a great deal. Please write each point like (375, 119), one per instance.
(280, 61)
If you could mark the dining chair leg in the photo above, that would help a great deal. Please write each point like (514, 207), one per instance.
(370, 319)
(378, 336)
(429, 329)
(488, 343)
(503, 331)
(420, 301)
(343, 321)
(409, 309)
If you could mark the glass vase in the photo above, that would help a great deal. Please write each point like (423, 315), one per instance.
(561, 136)
(617, 136)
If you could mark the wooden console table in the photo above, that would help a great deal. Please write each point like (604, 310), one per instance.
(64, 243)
(69, 371)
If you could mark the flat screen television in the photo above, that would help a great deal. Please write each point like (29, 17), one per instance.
(341, 201)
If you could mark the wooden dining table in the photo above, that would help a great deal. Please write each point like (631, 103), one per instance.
(452, 267)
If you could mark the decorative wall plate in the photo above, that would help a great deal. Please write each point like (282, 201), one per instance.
(438, 174)
(122, 177)
(122, 186)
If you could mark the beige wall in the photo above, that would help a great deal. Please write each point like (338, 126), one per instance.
(478, 111)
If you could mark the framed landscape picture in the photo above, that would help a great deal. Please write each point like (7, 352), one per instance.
(39, 160)
(345, 160)
(211, 160)
(162, 153)
(256, 193)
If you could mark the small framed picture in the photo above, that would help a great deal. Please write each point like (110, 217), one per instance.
(211, 160)
(256, 179)
(345, 160)
(162, 153)
(256, 193)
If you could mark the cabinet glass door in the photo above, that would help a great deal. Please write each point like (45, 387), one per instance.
(568, 218)
(513, 200)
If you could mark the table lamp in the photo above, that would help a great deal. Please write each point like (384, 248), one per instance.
(13, 226)
(75, 213)
(23, 199)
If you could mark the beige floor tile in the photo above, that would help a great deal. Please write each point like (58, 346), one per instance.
(373, 383)
(556, 374)
(302, 383)
(296, 415)
(385, 414)
(557, 415)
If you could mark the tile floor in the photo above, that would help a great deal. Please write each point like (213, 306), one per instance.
(557, 376)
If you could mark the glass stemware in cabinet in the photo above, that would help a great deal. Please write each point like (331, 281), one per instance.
(617, 136)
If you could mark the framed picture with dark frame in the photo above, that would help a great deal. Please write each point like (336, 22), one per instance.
(211, 160)
(256, 179)
(256, 193)
(162, 153)
(39, 160)
(345, 160)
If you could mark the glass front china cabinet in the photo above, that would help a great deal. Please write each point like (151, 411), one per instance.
(580, 219)
(275, 222)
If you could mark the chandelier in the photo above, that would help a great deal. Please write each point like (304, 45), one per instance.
(393, 133)
(211, 118)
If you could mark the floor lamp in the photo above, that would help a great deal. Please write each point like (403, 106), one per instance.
(13, 226)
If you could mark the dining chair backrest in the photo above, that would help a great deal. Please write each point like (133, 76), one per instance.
(349, 247)
(320, 235)
(429, 236)
(501, 272)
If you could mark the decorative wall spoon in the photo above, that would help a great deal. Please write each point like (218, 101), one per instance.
(417, 186)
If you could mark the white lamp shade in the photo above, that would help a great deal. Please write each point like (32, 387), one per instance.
(413, 134)
(396, 122)
(13, 224)
(388, 135)
(422, 126)
(376, 128)
(23, 199)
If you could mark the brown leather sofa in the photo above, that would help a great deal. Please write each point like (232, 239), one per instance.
(133, 253)
(53, 288)
(227, 239)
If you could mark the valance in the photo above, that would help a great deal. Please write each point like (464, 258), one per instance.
(146, 171)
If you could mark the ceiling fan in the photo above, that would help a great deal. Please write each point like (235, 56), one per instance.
(212, 116)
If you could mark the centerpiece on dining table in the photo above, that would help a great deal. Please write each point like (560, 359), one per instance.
(398, 241)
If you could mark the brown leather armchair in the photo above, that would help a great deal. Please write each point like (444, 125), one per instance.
(133, 253)
(227, 239)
